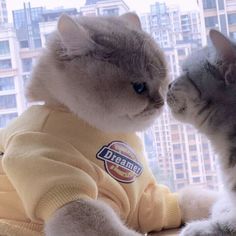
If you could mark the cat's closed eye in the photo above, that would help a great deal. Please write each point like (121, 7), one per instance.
(139, 88)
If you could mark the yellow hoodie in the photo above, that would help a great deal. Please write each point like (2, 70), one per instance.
(50, 158)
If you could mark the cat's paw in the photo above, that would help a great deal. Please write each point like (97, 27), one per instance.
(200, 228)
(196, 203)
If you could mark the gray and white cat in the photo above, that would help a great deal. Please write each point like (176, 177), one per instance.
(84, 55)
(205, 96)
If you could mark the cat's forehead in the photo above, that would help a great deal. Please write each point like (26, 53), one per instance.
(198, 60)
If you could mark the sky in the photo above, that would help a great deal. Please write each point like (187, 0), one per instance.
(140, 6)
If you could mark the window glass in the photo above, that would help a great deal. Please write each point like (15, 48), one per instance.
(4, 47)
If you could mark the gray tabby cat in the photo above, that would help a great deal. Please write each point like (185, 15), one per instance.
(205, 96)
(112, 53)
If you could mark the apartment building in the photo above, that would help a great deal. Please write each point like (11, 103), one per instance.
(10, 86)
(104, 7)
(179, 156)
(220, 15)
(3, 12)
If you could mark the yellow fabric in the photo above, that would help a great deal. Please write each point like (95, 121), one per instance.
(51, 158)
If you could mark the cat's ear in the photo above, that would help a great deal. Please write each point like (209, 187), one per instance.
(226, 51)
(223, 45)
(133, 19)
(74, 37)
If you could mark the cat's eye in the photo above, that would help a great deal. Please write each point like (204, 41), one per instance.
(139, 88)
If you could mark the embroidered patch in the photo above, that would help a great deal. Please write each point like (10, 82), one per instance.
(120, 162)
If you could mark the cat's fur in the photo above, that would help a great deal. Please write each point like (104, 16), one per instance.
(205, 96)
(83, 55)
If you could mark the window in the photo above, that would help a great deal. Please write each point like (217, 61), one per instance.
(7, 101)
(4, 47)
(7, 83)
(209, 4)
(196, 179)
(5, 64)
(221, 4)
(5, 118)
(232, 35)
(27, 64)
(195, 169)
(176, 146)
(192, 148)
(111, 12)
(193, 158)
(179, 176)
(181, 52)
(209, 178)
(211, 21)
(232, 18)
(37, 43)
(177, 156)
(179, 166)
(24, 44)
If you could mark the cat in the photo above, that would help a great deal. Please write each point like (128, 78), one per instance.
(205, 96)
(74, 166)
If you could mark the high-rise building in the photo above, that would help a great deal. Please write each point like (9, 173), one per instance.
(11, 98)
(26, 23)
(3, 12)
(220, 15)
(180, 155)
(104, 7)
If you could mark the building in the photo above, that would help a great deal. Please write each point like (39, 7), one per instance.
(220, 15)
(180, 156)
(11, 100)
(104, 7)
(3, 12)
(26, 23)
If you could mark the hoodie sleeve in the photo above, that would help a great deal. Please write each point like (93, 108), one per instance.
(47, 172)
(158, 209)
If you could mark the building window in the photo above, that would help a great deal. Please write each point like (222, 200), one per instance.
(5, 118)
(4, 47)
(232, 18)
(27, 64)
(8, 101)
(37, 43)
(177, 157)
(176, 146)
(5, 64)
(179, 166)
(207, 167)
(111, 12)
(209, 178)
(192, 148)
(7, 83)
(195, 169)
(221, 4)
(24, 44)
(181, 52)
(179, 176)
(209, 4)
(232, 35)
(193, 158)
(211, 21)
(196, 179)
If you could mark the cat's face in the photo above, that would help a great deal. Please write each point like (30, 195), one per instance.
(205, 94)
(107, 71)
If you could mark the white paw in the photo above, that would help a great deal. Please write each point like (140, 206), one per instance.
(200, 228)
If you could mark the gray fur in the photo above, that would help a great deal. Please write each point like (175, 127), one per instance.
(205, 96)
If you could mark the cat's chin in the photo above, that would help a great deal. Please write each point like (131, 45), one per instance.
(129, 123)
